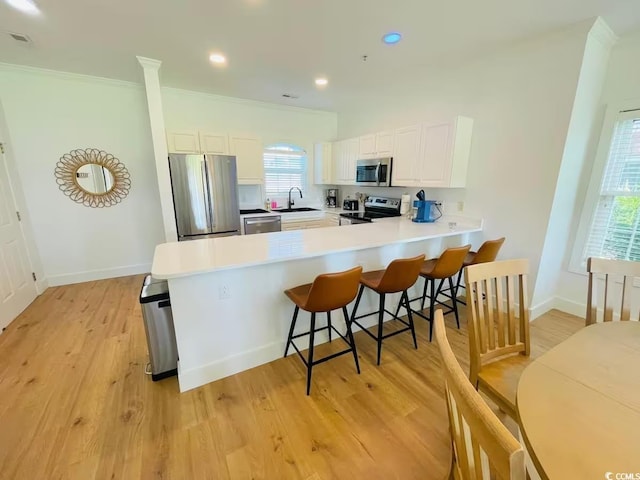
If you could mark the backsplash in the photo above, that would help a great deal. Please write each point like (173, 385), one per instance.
(452, 198)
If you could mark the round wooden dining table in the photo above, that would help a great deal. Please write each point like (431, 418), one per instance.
(579, 405)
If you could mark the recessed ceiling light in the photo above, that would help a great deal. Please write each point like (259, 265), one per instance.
(26, 6)
(322, 82)
(217, 58)
(392, 38)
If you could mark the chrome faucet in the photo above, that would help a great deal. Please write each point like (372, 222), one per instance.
(291, 202)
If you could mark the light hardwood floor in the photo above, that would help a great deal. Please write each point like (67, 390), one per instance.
(75, 403)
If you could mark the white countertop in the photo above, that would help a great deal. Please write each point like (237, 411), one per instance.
(181, 259)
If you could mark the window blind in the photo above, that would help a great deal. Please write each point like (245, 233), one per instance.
(285, 166)
(615, 228)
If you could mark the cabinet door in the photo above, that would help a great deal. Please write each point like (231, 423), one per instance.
(322, 163)
(434, 168)
(352, 147)
(406, 153)
(249, 158)
(367, 146)
(214, 143)
(384, 144)
(338, 156)
(183, 142)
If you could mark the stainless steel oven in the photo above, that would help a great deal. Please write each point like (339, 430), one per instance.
(375, 172)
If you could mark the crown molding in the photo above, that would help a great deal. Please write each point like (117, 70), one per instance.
(149, 63)
(247, 101)
(602, 32)
(10, 67)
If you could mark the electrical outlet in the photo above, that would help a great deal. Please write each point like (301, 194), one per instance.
(224, 292)
(460, 206)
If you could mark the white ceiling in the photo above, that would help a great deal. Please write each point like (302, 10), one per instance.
(280, 46)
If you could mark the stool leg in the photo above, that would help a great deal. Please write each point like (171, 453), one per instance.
(458, 281)
(424, 292)
(405, 295)
(329, 324)
(293, 325)
(432, 305)
(351, 340)
(310, 356)
(380, 319)
(355, 307)
(455, 303)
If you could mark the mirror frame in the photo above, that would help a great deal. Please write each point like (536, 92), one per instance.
(68, 166)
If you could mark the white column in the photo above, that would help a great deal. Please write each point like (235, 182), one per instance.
(151, 68)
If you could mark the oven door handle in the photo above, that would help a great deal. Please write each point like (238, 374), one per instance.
(378, 174)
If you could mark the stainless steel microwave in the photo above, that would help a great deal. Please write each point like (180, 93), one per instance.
(375, 172)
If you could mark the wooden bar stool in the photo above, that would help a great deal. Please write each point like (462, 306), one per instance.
(330, 291)
(487, 252)
(400, 275)
(441, 268)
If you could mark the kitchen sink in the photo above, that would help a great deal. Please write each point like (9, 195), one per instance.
(301, 209)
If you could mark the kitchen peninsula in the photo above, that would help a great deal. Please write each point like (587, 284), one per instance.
(229, 310)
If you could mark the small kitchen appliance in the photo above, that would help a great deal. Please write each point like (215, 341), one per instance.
(350, 204)
(332, 198)
(428, 211)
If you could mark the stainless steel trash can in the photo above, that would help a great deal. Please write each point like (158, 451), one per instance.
(158, 325)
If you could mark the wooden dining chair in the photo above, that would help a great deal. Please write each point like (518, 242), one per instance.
(499, 344)
(610, 271)
(483, 448)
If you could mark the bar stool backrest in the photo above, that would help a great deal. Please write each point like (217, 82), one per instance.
(450, 262)
(401, 274)
(331, 291)
(488, 251)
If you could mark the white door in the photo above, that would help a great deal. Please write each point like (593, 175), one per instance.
(17, 287)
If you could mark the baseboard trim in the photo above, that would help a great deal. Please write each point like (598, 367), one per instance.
(91, 275)
(542, 308)
(196, 377)
(42, 285)
(569, 306)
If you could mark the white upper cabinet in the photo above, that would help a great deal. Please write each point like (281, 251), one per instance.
(249, 158)
(384, 144)
(406, 156)
(367, 146)
(323, 164)
(432, 155)
(445, 153)
(214, 143)
(345, 155)
(183, 142)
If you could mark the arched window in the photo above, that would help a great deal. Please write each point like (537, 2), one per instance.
(285, 166)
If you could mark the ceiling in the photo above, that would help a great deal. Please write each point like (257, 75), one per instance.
(280, 46)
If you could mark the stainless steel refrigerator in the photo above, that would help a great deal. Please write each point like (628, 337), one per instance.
(205, 195)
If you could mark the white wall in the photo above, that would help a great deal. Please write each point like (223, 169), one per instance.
(622, 83)
(47, 115)
(187, 110)
(521, 100)
(586, 119)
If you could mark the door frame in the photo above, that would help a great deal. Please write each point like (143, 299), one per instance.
(15, 186)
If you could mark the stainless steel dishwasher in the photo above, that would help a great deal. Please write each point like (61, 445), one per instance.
(253, 225)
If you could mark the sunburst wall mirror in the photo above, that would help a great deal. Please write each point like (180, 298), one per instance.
(93, 178)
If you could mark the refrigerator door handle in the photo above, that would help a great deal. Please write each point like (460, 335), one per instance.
(207, 188)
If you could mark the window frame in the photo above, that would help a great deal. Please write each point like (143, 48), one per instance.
(307, 166)
(592, 197)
